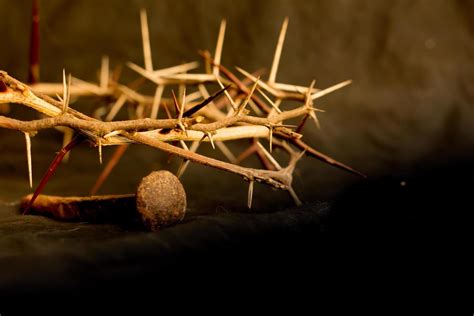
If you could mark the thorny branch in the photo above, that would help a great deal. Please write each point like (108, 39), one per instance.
(194, 121)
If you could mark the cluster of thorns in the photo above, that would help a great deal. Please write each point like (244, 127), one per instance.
(247, 108)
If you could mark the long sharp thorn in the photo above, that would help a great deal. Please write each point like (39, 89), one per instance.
(294, 196)
(269, 156)
(100, 150)
(249, 96)
(279, 48)
(320, 156)
(301, 125)
(69, 79)
(333, 88)
(201, 105)
(309, 103)
(104, 73)
(176, 104)
(262, 84)
(146, 41)
(116, 107)
(28, 156)
(226, 151)
(315, 119)
(118, 153)
(219, 46)
(52, 168)
(183, 101)
(185, 162)
(232, 102)
(270, 138)
(240, 85)
(211, 140)
(273, 104)
(64, 91)
(156, 102)
(182, 167)
(183, 144)
(250, 194)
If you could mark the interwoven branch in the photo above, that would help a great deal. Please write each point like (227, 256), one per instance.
(18, 92)
(212, 120)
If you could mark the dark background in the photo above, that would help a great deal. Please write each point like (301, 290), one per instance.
(406, 117)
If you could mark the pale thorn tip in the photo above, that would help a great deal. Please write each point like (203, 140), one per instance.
(28, 156)
(146, 41)
(100, 150)
(250, 194)
(211, 140)
(278, 50)
(219, 46)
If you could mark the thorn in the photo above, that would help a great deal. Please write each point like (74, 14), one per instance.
(301, 155)
(185, 162)
(181, 126)
(226, 151)
(104, 72)
(69, 78)
(330, 89)
(270, 137)
(262, 84)
(183, 100)
(28, 156)
(100, 150)
(232, 102)
(116, 107)
(255, 108)
(301, 125)
(181, 109)
(52, 168)
(315, 119)
(176, 104)
(269, 156)
(294, 196)
(207, 62)
(118, 153)
(279, 48)
(308, 101)
(219, 46)
(140, 109)
(249, 96)
(176, 69)
(208, 100)
(210, 139)
(146, 41)
(273, 104)
(183, 144)
(250, 194)
(113, 133)
(320, 156)
(309, 104)
(156, 101)
(65, 92)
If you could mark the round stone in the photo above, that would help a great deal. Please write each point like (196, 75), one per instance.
(161, 200)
